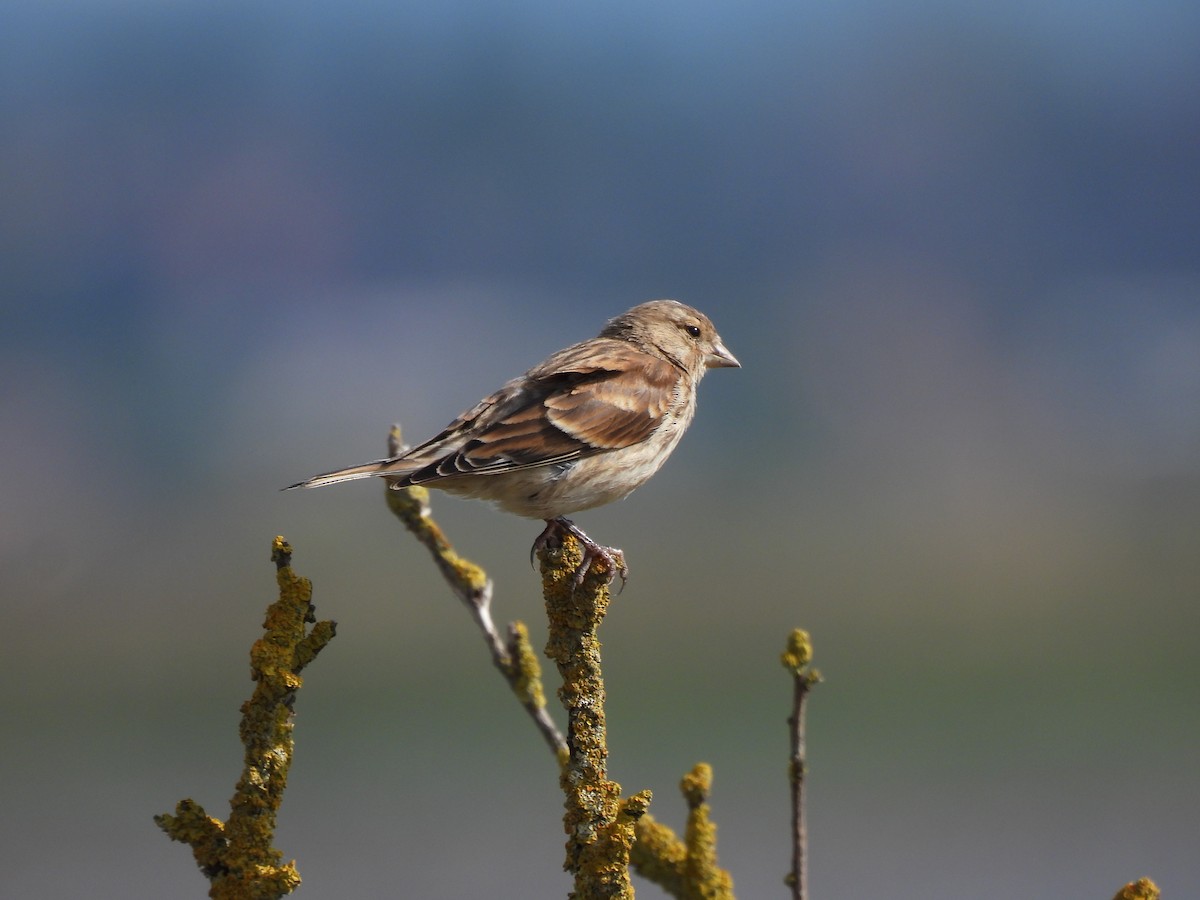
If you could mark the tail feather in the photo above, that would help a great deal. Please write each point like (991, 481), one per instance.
(366, 470)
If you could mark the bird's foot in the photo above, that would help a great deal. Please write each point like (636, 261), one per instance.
(613, 558)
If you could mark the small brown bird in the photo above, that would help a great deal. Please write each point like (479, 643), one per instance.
(584, 428)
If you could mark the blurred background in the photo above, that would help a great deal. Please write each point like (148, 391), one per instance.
(954, 245)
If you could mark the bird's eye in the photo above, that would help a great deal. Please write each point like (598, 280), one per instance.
(693, 330)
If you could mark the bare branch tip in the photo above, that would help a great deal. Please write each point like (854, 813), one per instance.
(395, 441)
(696, 785)
(798, 654)
(281, 552)
(637, 805)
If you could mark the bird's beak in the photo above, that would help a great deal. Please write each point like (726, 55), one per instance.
(720, 358)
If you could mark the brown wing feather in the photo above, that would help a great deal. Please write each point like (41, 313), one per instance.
(616, 411)
(601, 395)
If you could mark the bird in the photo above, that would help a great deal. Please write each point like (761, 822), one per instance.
(585, 427)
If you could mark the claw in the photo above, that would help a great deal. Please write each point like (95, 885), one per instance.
(613, 558)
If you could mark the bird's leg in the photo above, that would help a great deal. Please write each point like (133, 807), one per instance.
(613, 558)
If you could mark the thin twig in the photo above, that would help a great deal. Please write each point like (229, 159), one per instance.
(796, 659)
(514, 657)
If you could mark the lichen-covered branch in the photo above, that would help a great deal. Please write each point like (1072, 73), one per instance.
(705, 879)
(600, 826)
(685, 869)
(514, 656)
(660, 856)
(237, 856)
(797, 659)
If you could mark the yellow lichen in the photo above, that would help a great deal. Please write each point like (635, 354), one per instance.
(688, 868)
(1142, 889)
(704, 878)
(659, 856)
(696, 784)
(798, 654)
(527, 671)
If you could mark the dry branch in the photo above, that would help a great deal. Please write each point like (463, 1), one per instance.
(797, 659)
(513, 657)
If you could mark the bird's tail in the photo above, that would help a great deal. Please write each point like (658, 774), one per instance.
(366, 470)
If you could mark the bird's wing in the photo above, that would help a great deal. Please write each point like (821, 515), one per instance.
(596, 396)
